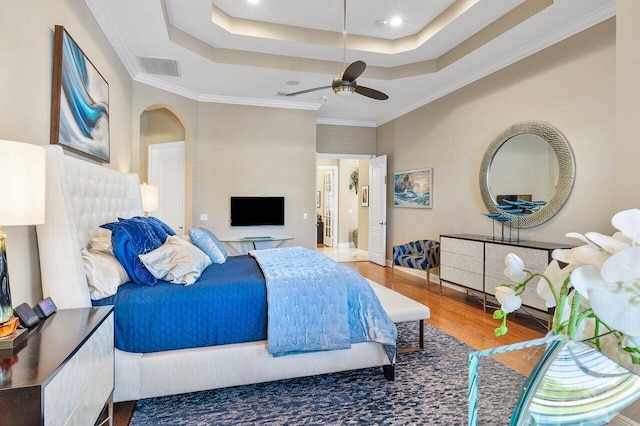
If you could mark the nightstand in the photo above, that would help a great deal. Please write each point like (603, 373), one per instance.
(63, 373)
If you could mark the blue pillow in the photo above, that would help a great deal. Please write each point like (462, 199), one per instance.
(154, 221)
(129, 239)
(159, 228)
(208, 243)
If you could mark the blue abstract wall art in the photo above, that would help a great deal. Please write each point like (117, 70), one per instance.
(80, 101)
(413, 188)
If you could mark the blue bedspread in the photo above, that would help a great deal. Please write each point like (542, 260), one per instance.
(316, 304)
(226, 305)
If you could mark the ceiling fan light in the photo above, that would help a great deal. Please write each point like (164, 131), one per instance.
(344, 90)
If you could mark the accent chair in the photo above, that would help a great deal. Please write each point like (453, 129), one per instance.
(420, 254)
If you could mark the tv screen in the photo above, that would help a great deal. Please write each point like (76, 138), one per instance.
(257, 211)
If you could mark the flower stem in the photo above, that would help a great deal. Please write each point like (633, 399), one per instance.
(561, 302)
(573, 316)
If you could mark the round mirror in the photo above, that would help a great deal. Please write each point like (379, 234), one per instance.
(529, 161)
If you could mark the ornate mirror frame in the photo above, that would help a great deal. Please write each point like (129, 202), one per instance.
(566, 163)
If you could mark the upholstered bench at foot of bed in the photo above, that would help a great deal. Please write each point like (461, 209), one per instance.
(401, 309)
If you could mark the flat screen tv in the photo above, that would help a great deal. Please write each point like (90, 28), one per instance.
(257, 211)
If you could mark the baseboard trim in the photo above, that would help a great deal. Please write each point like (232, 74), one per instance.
(346, 245)
(364, 253)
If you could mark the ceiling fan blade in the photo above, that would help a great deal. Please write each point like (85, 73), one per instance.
(307, 91)
(353, 71)
(371, 93)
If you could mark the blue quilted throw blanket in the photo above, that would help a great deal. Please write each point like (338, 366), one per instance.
(316, 304)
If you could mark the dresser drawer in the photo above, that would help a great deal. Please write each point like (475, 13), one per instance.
(78, 391)
(462, 247)
(461, 277)
(533, 258)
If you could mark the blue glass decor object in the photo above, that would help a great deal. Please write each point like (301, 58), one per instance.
(493, 216)
(511, 209)
(572, 384)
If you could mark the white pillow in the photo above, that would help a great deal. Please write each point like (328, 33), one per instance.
(102, 244)
(177, 260)
(104, 272)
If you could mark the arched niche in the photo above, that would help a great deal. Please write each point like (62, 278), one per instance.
(160, 123)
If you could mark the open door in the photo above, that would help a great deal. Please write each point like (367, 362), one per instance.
(378, 210)
(330, 209)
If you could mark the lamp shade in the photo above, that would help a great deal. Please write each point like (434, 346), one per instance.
(149, 197)
(22, 183)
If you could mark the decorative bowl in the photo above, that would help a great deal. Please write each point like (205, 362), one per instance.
(9, 327)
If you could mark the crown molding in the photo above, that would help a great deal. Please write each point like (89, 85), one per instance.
(191, 94)
(340, 122)
(575, 27)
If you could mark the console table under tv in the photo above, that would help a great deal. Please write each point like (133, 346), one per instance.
(238, 244)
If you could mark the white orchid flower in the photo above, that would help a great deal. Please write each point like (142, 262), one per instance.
(515, 268)
(628, 222)
(609, 244)
(556, 276)
(582, 255)
(509, 302)
(614, 290)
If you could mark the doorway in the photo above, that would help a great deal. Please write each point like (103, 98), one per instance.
(348, 221)
(166, 171)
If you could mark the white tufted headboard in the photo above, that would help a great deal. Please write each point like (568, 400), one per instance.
(81, 196)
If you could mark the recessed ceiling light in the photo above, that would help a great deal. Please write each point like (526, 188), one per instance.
(293, 82)
(395, 21)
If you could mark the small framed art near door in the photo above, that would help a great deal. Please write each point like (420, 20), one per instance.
(79, 101)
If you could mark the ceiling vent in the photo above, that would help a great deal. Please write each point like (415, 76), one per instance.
(160, 66)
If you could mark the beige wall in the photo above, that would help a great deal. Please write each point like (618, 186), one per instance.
(246, 151)
(627, 144)
(345, 140)
(25, 103)
(570, 85)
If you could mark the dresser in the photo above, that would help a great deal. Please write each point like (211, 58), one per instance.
(476, 262)
(63, 373)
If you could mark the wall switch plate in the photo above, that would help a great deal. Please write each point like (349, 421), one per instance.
(204, 216)
(305, 216)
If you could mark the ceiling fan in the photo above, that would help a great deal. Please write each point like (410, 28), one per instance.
(345, 83)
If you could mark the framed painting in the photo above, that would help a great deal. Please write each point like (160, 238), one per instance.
(79, 101)
(365, 196)
(413, 188)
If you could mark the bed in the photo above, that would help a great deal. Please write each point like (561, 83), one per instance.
(82, 196)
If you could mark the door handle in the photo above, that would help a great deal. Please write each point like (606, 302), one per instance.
(382, 223)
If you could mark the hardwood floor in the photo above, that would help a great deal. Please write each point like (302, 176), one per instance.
(454, 312)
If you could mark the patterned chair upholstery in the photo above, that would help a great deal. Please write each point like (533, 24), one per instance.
(421, 254)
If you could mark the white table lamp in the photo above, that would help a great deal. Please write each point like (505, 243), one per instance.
(22, 197)
(149, 198)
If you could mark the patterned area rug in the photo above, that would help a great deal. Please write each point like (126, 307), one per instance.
(430, 389)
